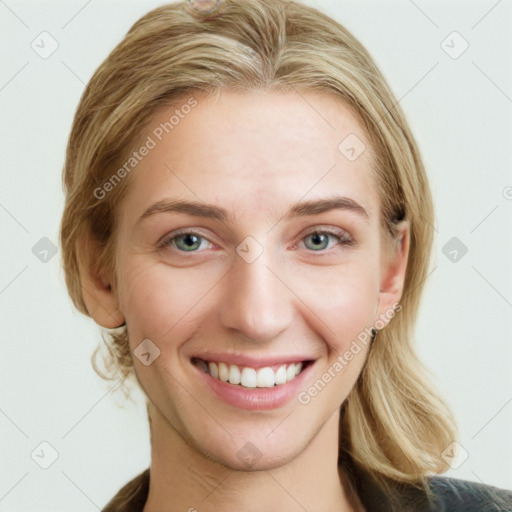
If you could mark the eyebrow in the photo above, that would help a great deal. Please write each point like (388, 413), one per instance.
(298, 209)
(317, 206)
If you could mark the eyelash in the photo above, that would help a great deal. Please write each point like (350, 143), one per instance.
(344, 239)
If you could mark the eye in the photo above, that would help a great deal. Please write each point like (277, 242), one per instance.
(186, 241)
(319, 240)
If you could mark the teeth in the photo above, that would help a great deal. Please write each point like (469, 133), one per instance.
(223, 372)
(214, 370)
(280, 377)
(234, 374)
(203, 365)
(266, 378)
(250, 377)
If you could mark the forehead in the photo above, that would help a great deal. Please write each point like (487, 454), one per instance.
(252, 152)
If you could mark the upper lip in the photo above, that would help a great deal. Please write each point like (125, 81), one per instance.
(251, 361)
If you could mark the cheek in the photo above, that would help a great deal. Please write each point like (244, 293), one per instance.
(345, 300)
(160, 302)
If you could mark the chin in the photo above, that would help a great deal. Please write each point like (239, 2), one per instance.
(248, 456)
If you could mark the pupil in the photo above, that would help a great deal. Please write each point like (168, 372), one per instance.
(190, 240)
(318, 240)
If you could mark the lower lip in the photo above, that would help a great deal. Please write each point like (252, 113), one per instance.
(255, 398)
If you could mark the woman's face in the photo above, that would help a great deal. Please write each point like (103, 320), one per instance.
(229, 251)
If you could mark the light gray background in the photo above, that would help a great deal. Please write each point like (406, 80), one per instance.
(460, 112)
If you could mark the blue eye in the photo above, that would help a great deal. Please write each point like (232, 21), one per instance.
(317, 241)
(186, 242)
(320, 239)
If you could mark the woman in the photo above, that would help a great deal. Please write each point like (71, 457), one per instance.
(247, 210)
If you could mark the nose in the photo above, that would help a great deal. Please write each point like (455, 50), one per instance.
(256, 300)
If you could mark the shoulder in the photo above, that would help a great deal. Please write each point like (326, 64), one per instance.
(132, 496)
(446, 495)
(452, 494)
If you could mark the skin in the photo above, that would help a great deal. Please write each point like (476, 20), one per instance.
(254, 154)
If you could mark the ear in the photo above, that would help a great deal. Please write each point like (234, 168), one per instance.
(97, 291)
(394, 256)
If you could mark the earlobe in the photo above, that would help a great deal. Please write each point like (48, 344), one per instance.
(97, 291)
(394, 258)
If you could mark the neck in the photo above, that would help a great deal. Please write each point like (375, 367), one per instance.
(182, 478)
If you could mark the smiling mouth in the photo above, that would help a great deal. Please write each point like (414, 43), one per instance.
(247, 377)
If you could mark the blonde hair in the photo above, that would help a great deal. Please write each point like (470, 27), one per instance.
(392, 424)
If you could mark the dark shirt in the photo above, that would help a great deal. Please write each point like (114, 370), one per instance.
(450, 495)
